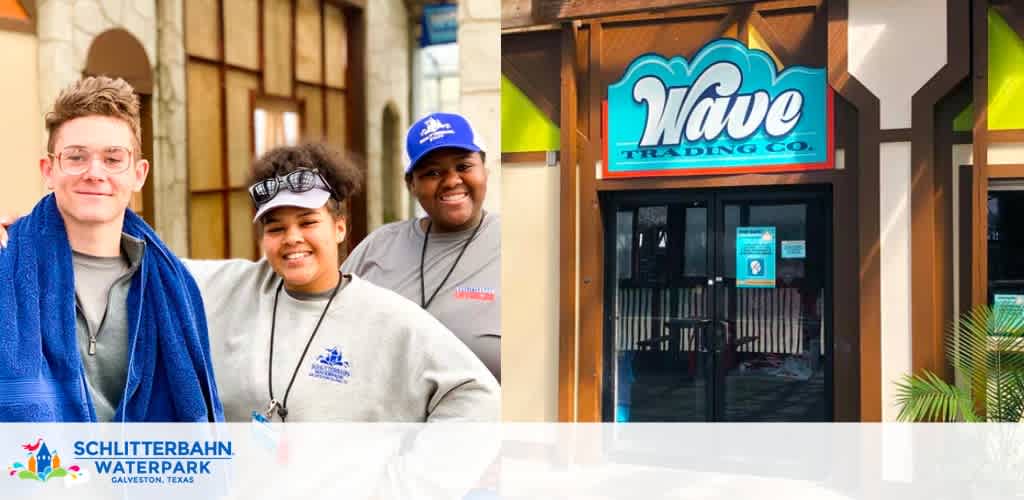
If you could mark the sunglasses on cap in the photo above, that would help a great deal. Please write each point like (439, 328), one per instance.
(299, 181)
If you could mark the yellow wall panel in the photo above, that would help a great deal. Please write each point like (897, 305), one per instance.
(206, 226)
(335, 46)
(308, 56)
(277, 47)
(757, 42)
(313, 127)
(204, 126)
(241, 33)
(239, 124)
(202, 28)
(241, 225)
(336, 118)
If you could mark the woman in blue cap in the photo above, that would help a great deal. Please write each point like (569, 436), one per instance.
(448, 262)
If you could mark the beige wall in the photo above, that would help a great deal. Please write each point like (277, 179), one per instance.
(529, 276)
(894, 236)
(894, 49)
(21, 133)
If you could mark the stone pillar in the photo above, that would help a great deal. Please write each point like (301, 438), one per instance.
(67, 30)
(480, 83)
(387, 82)
(57, 65)
(169, 174)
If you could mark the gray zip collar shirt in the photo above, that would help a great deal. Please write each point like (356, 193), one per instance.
(101, 321)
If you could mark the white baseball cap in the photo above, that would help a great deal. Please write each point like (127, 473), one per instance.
(314, 198)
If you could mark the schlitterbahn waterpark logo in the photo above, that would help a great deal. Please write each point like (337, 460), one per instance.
(726, 110)
(40, 463)
(153, 462)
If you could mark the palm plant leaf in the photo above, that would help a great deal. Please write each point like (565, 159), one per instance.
(986, 346)
(928, 398)
(968, 346)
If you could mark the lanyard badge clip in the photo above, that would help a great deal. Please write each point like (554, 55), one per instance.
(269, 413)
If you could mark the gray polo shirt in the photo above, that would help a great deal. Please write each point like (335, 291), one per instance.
(469, 303)
(101, 320)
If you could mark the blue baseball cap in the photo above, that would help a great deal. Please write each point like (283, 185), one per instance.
(439, 130)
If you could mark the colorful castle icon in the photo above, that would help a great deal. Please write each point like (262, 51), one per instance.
(42, 464)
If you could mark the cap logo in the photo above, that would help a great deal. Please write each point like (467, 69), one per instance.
(434, 129)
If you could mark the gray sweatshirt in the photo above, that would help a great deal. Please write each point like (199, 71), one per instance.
(469, 303)
(376, 357)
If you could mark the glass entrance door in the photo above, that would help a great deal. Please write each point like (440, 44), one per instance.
(1006, 244)
(719, 306)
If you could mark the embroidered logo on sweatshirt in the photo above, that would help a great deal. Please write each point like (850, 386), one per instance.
(332, 366)
(475, 293)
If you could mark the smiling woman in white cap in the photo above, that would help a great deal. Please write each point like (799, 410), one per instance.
(295, 339)
(448, 262)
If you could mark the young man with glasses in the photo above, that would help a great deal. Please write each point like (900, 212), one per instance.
(92, 330)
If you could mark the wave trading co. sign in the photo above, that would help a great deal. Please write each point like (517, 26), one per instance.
(727, 110)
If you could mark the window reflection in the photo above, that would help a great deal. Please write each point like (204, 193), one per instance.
(275, 123)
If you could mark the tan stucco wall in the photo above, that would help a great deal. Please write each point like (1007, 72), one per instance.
(529, 276)
(21, 136)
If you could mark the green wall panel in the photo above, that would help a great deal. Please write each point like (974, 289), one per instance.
(1005, 75)
(1005, 79)
(524, 127)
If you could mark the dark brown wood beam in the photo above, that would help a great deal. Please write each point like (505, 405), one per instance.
(979, 198)
(545, 11)
(772, 39)
(931, 285)
(536, 96)
(567, 231)
(591, 278)
(1013, 14)
(865, 159)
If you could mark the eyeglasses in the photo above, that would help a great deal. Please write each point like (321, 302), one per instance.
(74, 160)
(299, 181)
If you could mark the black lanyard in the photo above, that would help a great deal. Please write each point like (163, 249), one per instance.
(282, 406)
(424, 303)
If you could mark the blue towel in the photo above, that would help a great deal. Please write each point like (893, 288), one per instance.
(170, 375)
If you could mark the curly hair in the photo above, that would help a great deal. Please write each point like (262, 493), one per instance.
(339, 170)
(95, 96)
